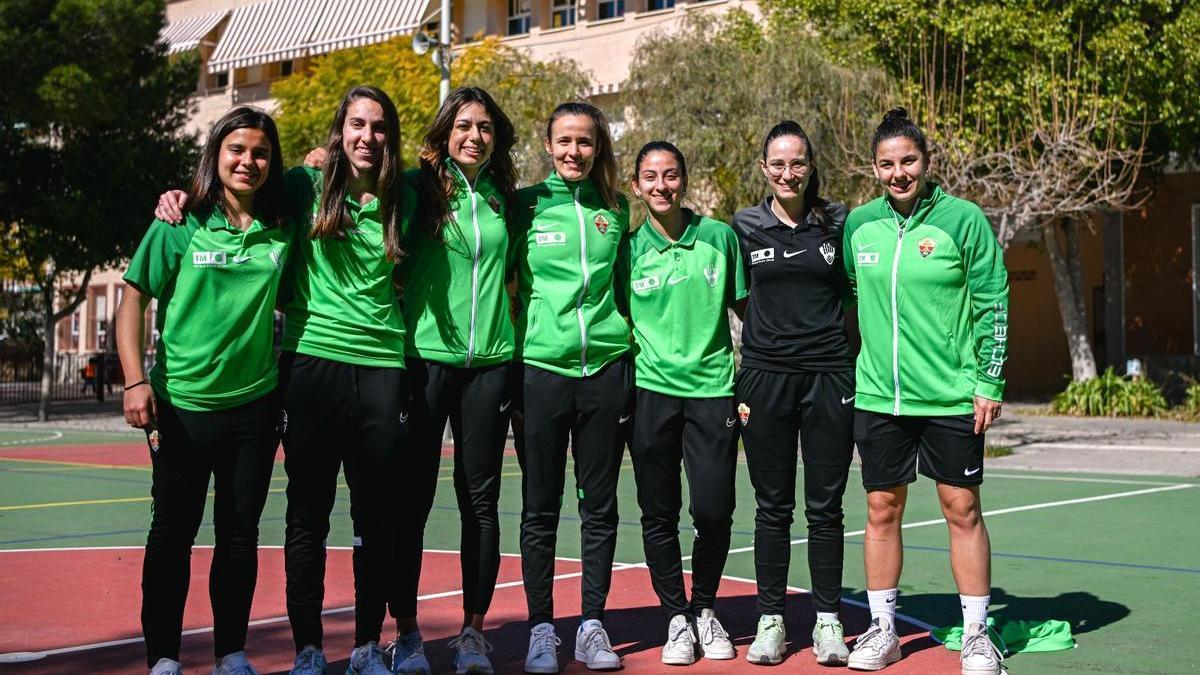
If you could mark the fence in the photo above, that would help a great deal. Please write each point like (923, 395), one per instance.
(76, 376)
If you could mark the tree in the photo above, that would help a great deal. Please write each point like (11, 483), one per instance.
(526, 89)
(1044, 113)
(90, 118)
(719, 83)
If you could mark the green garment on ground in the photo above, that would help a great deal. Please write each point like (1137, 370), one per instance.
(1012, 636)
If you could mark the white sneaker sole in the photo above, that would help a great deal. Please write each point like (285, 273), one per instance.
(832, 658)
(763, 659)
(719, 654)
(981, 671)
(582, 658)
(542, 670)
(876, 664)
(680, 660)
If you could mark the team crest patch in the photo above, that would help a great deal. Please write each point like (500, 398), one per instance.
(744, 413)
(710, 275)
(828, 252)
(926, 246)
(494, 203)
(601, 223)
(154, 440)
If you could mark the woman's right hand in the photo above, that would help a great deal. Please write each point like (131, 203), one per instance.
(170, 206)
(140, 409)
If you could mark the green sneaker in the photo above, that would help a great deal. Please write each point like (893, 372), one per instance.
(829, 643)
(767, 648)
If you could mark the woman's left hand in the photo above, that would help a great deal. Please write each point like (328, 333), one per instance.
(987, 411)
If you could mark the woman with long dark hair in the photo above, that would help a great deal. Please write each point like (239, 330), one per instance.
(459, 352)
(796, 383)
(575, 378)
(933, 309)
(209, 407)
(678, 275)
(342, 374)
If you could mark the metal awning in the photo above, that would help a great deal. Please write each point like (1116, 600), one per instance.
(185, 34)
(278, 30)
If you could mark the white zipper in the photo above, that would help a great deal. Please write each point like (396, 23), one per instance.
(587, 277)
(474, 267)
(900, 227)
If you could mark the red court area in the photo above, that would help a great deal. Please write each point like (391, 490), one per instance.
(70, 603)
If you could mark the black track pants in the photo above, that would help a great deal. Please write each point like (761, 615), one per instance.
(820, 408)
(236, 447)
(351, 417)
(478, 403)
(702, 434)
(591, 415)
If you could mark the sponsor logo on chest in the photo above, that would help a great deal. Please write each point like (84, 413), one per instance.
(209, 258)
(762, 255)
(926, 246)
(550, 238)
(601, 223)
(828, 252)
(646, 284)
(867, 255)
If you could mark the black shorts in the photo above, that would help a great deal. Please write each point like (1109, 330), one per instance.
(893, 449)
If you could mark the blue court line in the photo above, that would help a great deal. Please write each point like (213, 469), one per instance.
(1046, 558)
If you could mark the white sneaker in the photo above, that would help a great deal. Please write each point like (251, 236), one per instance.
(167, 666)
(592, 647)
(979, 656)
(829, 643)
(542, 656)
(875, 649)
(367, 660)
(680, 648)
(235, 663)
(767, 648)
(471, 653)
(714, 641)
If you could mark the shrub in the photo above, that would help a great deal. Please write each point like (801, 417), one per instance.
(1111, 395)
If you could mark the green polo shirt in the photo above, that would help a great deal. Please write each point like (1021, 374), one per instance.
(677, 294)
(216, 287)
(343, 304)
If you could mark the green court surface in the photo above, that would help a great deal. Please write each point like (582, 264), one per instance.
(1117, 557)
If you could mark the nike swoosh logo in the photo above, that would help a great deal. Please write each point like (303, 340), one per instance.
(623, 419)
(793, 254)
(404, 418)
(505, 406)
(241, 259)
(677, 280)
(847, 400)
(543, 228)
(865, 247)
(971, 472)
(729, 423)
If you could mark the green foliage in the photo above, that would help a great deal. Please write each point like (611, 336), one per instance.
(526, 89)
(984, 60)
(717, 85)
(1191, 401)
(1110, 395)
(91, 113)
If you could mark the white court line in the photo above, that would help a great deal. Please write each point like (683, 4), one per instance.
(54, 436)
(1101, 446)
(849, 601)
(998, 512)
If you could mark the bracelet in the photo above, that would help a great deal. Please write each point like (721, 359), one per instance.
(135, 384)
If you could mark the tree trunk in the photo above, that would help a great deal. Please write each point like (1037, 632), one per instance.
(48, 340)
(1068, 288)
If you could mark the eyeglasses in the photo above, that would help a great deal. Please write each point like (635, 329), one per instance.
(799, 167)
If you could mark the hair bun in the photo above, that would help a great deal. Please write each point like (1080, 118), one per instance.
(897, 114)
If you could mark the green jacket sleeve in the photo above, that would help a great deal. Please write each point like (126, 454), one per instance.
(987, 284)
(850, 289)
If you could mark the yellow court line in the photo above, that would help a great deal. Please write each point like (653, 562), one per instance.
(91, 465)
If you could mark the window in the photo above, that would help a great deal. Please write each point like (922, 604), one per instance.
(101, 322)
(610, 9)
(652, 5)
(285, 68)
(562, 13)
(518, 17)
(222, 79)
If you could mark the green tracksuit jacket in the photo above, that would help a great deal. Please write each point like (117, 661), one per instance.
(455, 307)
(567, 247)
(932, 306)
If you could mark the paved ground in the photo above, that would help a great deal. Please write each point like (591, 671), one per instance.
(1039, 441)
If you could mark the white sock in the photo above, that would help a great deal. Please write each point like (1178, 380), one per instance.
(883, 606)
(974, 609)
(828, 617)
